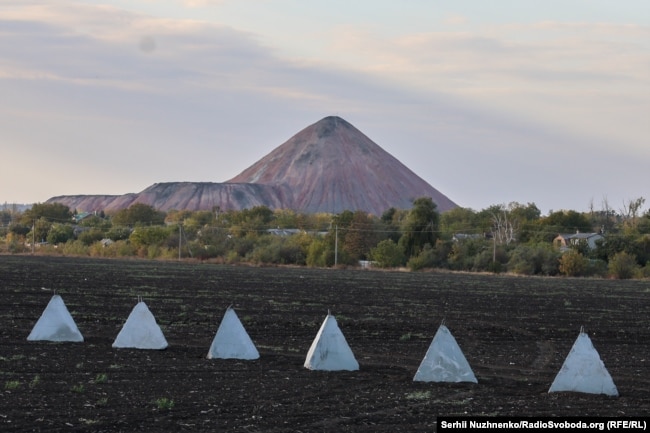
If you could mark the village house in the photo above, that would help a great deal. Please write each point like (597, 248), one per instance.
(565, 241)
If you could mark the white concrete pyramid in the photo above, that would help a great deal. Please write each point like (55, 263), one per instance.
(231, 340)
(330, 351)
(55, 324)
(140, 331)
(584, 371)
(444, 361)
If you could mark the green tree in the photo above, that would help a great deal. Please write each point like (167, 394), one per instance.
(631, 210)
(320, 254)
(387, 254)
(139, 214)
(150, 236)
(562, 222)
(534, 259)
(20, 230)
(463, 254)
(643, 226)
(52, 212)
(420, 227)
(390, 223)
(431, 257)
(118, 233)
(280, 250)
(360, 236)
(95, 221)
(60, 233)
(458, 220)
(527, 216)
(89, 237)
(40, 230)
(5, 218)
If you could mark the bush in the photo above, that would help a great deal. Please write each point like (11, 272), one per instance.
(75, 248)
(623, 266)
(596, 268)
(151, 236)
(89, 237)
(123, 249)
(462, 256)
(60, 233)
(431, 257)
(387, 254)
(426, 259)
(539, 259)
(164, 403)
(573, 264)
(318, 253)
(118, 233)
(645, 271)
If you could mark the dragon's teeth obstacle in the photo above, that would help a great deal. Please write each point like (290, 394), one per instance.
(55, 324)
(140, 331)
(444, 361)
(584, 371)
(231, 340)
(329, 350)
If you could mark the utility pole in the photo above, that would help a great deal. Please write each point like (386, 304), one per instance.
(336, 245)
(180, 238)
(33, 235)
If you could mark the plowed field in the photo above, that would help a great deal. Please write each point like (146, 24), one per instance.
(515, 332)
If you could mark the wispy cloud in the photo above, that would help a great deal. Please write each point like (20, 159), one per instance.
(455, 19)
(126, 99)
(547, 71)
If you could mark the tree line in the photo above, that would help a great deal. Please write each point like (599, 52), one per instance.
(513, 238)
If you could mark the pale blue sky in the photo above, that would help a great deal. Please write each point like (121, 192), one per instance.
(490, 102)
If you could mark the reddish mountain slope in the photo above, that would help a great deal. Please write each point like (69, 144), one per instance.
(329, 166)
(182, 195)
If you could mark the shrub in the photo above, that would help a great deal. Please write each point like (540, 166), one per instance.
(164, 403)
(485, 261)
(573, 264)
(88, 237)
(645, 271)
(387, 254)
(74, 248)
(12, 384)
(426, 259)
(429, 257)
(596, 268)
(118, 233)
(150, 236)
(60, 233)
(539, 259)
(317, 253)
(35, 381)
(462, 256)
(623, 266)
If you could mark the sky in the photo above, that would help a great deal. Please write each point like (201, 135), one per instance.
(489, 102)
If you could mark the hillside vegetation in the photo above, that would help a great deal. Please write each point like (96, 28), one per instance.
(512, 238)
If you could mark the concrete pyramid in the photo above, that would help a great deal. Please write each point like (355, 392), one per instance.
(55, 324)
(444, 361)
(584, 371)
(232, 340)
(330, 351)
(140, 331)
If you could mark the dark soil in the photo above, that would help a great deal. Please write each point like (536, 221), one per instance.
(515, 333)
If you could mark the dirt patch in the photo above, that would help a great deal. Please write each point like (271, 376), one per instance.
(515, 333)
